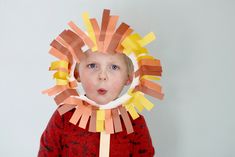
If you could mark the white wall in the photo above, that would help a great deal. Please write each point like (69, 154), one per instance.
(195, 41)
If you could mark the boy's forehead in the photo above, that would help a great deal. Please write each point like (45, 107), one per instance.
(100, 55)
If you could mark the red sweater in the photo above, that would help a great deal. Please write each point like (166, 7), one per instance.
(63, 139)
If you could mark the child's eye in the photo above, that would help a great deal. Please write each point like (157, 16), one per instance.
(115, 67)
(92, 65)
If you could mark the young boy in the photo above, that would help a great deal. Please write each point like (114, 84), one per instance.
(103, 76)
(99, 123)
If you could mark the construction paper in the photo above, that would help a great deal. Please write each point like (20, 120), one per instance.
(116, 120)
(64, 95)
(126, 120)
(104, 144)
(117, 37)
(80, 33)
(105, 21)
(108, 122)
(90, 30)
(70, 47)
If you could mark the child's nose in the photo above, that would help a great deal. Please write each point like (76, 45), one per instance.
(102, 75)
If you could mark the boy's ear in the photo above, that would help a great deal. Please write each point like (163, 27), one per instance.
(76, 73)
(129, 80)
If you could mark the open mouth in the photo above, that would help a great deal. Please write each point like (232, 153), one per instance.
(102, 91)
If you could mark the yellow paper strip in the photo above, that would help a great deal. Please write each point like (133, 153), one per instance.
(90, 29)
(150, 77)
(130, 108)
(147, 39)
(59, 64)
(100, 114)
(99, 125)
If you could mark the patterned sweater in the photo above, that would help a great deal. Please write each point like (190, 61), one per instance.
(63, 139)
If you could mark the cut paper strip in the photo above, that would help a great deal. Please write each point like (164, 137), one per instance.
(61, 82)
(64, 95)
(130, 108)
(147, 39)
(62, 49)
(126, 120)
(85, 117)
(92, 125)
(80, 33)
(77, 114)
(96, 28)
(144, 57)
(73, 101)
(139, 106)
(54, 90)
(150, 92)
(73, 43)
(150, 62)
(90, 29)
(117, 37)
(99, 125)
(109, 122)
(116, 120)
(120, 48)
(61, 75)
(58, 54)
(141, 100)
(149, 77)
(104, 144)
(110, 31)
(100, 117)
(59, 64)
(104, 25)
(65, 108)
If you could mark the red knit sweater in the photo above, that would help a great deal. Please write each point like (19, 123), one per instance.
(63, 139)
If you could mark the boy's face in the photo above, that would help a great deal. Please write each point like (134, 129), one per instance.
(103, 76)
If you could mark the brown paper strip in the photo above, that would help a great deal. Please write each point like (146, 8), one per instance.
(104, 25)
(117, 37)
(54, 52)
(120, 48)
(151, 68)
(58, 46)
(92, 125)
(74, 43)
(64, 95)
(126, 120)
(81, 34)
(142, 72)
(149, 91)
(116, 120)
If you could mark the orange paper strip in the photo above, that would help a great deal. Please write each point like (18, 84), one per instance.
(108, 122)
(81, 34)
(65, 108)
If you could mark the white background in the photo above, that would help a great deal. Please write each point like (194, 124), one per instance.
(195, 43)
